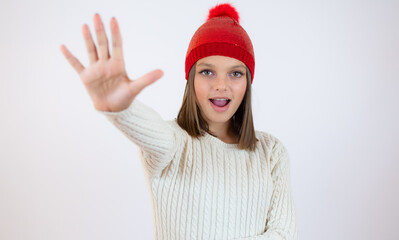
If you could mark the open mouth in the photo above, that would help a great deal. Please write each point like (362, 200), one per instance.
(220, 102)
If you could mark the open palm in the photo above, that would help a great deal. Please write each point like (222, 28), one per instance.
(106, 79)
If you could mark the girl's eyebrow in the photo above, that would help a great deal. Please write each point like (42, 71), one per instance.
(238, 66)
(205, 64)
(211, 65)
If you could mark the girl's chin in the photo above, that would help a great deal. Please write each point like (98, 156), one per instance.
(218, 118)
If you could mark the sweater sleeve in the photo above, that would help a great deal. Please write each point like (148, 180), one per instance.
(281, 218)
(154, 136)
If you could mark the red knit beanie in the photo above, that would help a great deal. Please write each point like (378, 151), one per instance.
(221, 35)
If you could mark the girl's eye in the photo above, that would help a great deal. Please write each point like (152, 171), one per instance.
(206, 72)
(237, 74)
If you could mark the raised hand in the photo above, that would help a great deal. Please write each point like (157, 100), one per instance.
(105, 78)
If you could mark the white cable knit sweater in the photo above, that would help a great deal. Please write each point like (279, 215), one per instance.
(207, 189)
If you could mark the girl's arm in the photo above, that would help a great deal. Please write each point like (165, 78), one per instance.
(281, 220)
(149, 131)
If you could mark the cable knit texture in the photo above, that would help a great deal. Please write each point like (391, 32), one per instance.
(207, 189)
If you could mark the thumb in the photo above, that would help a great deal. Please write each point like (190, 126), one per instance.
(147, 79)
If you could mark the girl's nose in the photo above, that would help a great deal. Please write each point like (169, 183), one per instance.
(221, 83)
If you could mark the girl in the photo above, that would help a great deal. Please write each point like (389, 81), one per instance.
(212, 176)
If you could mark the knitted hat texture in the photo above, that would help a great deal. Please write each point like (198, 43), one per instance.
(221, 35)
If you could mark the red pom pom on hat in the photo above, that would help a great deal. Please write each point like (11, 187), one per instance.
(221, 35)
(224, 9)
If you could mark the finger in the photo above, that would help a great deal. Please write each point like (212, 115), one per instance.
(116, 40)
(101, 37)
(71, 59)
(90, 46)
(142, 82)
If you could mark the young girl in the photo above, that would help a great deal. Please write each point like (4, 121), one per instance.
(212, 176)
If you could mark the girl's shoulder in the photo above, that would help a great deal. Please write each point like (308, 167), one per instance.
(268, 140)
(178, 131)
(273, 149)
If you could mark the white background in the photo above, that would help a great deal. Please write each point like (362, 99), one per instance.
(326, 84)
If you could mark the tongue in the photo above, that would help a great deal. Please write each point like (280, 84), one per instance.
(219, 103)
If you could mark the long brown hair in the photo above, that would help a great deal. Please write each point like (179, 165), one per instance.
(191, 119)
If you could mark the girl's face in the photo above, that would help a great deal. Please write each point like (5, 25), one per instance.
(220, 83)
